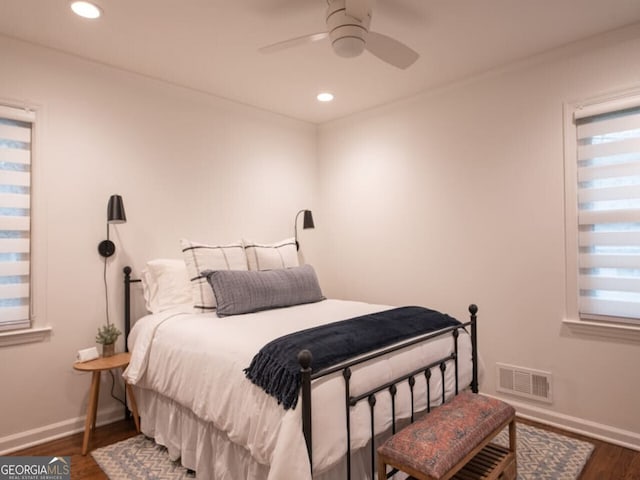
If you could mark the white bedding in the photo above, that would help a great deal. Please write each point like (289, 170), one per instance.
(197, 360)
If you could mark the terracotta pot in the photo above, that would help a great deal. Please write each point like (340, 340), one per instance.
(108, 350)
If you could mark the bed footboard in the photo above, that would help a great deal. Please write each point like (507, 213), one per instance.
(305, 360)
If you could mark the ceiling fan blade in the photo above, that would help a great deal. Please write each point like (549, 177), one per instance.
(293, 42)
(358, 9)
(390, 50)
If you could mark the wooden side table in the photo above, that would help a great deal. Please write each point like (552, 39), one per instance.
(119, 360)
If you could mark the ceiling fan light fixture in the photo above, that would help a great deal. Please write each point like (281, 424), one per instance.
(325, 97)
(348, 35)
(86, 9)
(348, 47)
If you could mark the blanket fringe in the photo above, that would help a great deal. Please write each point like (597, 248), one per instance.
(274, 379)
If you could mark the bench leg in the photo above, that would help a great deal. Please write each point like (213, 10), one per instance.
(512, 435)
(512, 447)
(382, 468)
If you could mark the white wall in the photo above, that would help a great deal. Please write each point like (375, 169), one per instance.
(185, 163)
(457, 196)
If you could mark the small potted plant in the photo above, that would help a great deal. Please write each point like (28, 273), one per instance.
(107, 336)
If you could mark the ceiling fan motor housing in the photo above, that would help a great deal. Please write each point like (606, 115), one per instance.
(348, 35)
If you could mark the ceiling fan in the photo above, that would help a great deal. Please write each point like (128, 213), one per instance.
(348, 29)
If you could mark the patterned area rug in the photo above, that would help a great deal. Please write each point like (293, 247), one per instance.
(542, 455)
(139, 458)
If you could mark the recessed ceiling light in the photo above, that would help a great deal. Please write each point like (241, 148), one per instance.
(86, 9)
(325, 97)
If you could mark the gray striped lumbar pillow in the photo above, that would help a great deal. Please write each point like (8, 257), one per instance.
(239, 292)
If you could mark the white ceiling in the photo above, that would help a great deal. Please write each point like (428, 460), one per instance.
(212, 45)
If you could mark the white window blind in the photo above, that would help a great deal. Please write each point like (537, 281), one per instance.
(608, 169)
(16, 129)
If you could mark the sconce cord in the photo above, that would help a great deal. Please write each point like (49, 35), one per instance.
(106, 309)
(113, 385)
(295, 229)
(106, 288)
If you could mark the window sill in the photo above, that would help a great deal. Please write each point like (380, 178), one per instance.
(628, 333)
(30, 335)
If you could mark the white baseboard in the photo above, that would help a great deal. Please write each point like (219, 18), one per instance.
(599, 431)
(36, 436)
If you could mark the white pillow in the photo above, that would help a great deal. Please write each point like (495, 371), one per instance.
(281, 254)
(165, 284)
(200, 257)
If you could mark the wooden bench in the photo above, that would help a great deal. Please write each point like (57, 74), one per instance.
(453, 442)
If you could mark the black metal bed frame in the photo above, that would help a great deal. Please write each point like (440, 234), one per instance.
(305, 359)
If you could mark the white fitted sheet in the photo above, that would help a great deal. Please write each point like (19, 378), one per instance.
(195, 362)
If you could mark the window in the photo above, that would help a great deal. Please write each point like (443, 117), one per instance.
(16, 131)
(606, 211)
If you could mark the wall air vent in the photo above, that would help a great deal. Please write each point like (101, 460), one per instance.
(524, 382)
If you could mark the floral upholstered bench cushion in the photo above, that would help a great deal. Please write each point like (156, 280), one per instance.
(437, 442)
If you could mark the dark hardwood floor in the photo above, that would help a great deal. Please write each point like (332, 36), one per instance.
(608, 462)
(83, 467)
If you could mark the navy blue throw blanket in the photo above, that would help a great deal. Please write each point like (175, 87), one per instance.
(275, 367)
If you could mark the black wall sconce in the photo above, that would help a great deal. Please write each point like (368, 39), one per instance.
(115, 214)
(307, 222)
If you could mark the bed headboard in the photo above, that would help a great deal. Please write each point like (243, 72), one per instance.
(127, 304)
